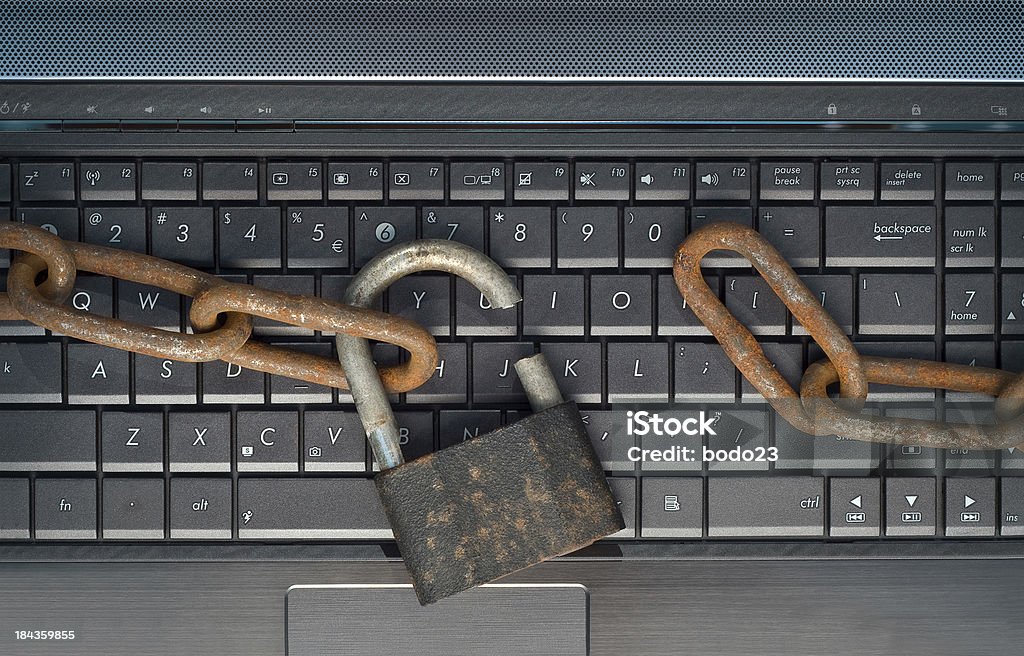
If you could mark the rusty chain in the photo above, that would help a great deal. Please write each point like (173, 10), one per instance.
(221, 313)
(812, 411)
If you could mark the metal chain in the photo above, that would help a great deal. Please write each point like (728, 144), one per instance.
(221, 313)
(812, 411)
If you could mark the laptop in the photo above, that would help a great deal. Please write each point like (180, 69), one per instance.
(156, 507)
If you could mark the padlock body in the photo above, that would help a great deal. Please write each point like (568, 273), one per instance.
(498, 503)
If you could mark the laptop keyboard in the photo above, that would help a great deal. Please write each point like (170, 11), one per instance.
(921, 259)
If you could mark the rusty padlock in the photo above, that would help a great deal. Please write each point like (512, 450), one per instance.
(494, 504)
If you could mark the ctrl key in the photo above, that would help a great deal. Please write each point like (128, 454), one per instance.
(14, 519)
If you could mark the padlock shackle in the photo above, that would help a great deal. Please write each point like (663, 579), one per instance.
(378, 274)
(539, 383)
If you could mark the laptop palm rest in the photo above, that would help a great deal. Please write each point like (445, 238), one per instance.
(368, 620)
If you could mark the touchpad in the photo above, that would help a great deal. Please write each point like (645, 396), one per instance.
(367, 620)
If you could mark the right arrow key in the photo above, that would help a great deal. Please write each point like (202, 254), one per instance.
(970, 507)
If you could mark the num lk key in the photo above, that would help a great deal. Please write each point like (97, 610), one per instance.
(493, 504)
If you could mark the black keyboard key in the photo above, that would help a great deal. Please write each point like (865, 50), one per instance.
(474, 314)
(477, 181)
(383, 355)
(587, 237)
(674, 315)
(702, 216)
(687, 448)
(784, 506)
(133, 442)
(602, 181)
(416, 181)
(42, 440)
(97, 374)
(317, 237)
(1013, 181)
(637, 373)
(1013, 237)
(61, 221)
(746, 430)
(1012, 356)
(93, 294)
(108, 181)
(14, 511)
(972, 354)
(163, 381)
(200, 508)
(116, 227)
(520, 236)
(835, 293)
(310, 509)
(541, 181)
(267, 441)
(149, 306)
(46, 181)
(910, 507)
(624, 493)
(971, 235)
(611, 439)
(788, 360)
(661, 181)
(1013, 304)
(65, 509)
(553, 305)
(494, 373)
(199, 441)
(415, 435)
(856, 507)
(225, 383)
(970, 181)
(798, 450)
(723, 181)
(1011, 503)
(908, 182)
(620, 305)
(847, 181)
(5, 183)
(577, 368)
(880, 236)
(704, 374)
(450, 381)
(355, 181)
(183, 234)
(334, 442)
(911, 457)
(380, 228)
(30, 373)
(672, 508)
(15, 328)
(457, 426)
(230, 181)
(970, 507)
(462, 224)
(294, 181)
(169, 181)
(290, 390)
(298, 285)
(970, 304)
(755, 305)
(795, 232)
(250, 237)
(133, 508)
(425, 299)
(897, 304)
(789, 181)
(652, 235)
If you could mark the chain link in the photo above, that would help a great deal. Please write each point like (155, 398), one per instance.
(221, 314)
(812, 411)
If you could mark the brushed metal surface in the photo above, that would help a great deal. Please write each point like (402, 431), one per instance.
(511, 620)
(655, 607)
